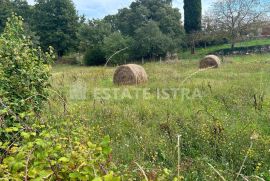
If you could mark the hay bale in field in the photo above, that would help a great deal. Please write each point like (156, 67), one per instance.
(130, 74)
(210, 61)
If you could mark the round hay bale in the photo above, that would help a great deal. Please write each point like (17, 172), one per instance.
(130, 74)
(210, 61)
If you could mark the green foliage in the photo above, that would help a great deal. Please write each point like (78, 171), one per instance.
(140, 12)
(154, 19)
(5, 12)
(92, 34)
(95, 56)
(128, 20)
(48, 23)
(23, 9)
(53, 155)
(149, 29)
(193, 15)
(24, 83)
(20, 7)
(167, 18)
(56, 23)
(116, 42)
(25, 70)
(150, 42)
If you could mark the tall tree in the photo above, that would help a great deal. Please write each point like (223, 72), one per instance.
(56, 23)
(23, 9)
(116, 42)
(129, 19)
(193, 15)
(235, 17)
(5, 12)
(138, 19)
(92, 34)
(150, 42)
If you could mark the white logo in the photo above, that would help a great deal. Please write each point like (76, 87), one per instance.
(78, 91)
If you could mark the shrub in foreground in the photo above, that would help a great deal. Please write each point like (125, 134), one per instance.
(24, 83)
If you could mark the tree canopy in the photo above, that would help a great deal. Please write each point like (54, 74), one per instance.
(154, 25)
(56, 23)
(193, 15)
(152, 28)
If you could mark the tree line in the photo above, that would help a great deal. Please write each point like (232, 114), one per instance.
(48, 23)
(147, 29)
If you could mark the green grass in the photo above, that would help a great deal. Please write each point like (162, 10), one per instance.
(216, 126)
(201, 52)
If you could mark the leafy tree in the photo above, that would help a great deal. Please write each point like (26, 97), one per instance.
(31, 35)
(23, 9)
(151, 42)
(168, 18)
(114, 43)
(143, 13)
(128, 20)
(112, 20)
(92, 34)
(56, 23)
(193, 15)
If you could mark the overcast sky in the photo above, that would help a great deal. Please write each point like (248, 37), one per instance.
(101, 8)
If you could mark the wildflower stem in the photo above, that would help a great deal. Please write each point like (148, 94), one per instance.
(179, 155)
(244, 161)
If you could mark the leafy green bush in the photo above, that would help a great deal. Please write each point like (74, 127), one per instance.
(25, 70)
(95, 56)
(52, 155)
(114, 44)
(24, 80)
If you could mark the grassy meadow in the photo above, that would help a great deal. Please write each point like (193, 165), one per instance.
(221, 114)
(204, 51)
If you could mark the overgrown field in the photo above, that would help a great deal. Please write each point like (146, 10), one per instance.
(222, 115)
